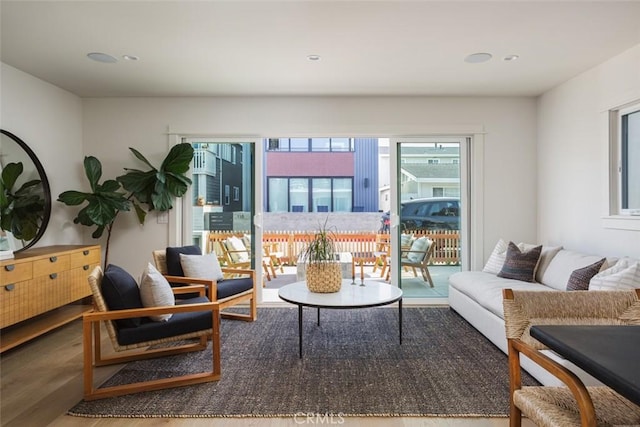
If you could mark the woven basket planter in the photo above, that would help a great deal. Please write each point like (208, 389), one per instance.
(324, 277)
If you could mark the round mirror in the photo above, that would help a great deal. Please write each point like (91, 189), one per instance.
(25, 197)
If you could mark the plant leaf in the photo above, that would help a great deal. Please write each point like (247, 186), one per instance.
(10, 174)
(179, 159)
(141, 157)
(93, 170)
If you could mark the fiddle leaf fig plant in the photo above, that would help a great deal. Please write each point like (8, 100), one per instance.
(154, 188)
(22, 209)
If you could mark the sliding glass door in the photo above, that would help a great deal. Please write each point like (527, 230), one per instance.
(428, 213)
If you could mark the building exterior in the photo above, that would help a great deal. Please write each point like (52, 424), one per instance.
(321, 175)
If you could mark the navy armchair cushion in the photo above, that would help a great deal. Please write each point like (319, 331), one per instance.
(120, 292)
(229, 287)
(174, 267)
(178, 324)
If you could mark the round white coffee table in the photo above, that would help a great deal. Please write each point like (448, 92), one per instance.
(372, 294)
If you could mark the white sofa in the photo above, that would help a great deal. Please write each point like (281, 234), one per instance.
(477, 296)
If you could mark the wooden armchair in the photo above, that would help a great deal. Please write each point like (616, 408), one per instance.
(226, 292)
(575, 404)
(418, 256)
(191, 318)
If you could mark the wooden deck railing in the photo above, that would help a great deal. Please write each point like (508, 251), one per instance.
(364, 245)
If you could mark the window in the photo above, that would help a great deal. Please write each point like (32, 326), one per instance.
(236, 194)
(310, 144)
(438, 192)
(625, 165)
(310, 194)
(227, 191)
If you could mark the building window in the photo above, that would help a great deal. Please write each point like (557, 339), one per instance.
(317, 145)
(438, 192)
(625, 173)
(433, 161)
(325, 194)
(227, 191)
(236, 194)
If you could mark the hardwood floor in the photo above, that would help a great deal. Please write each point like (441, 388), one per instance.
(42, 379)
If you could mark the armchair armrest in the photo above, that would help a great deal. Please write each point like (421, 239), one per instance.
(575, 385)
(95, 316)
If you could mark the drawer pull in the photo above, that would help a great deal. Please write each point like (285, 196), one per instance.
(53, 259)
(53, 275)
(9, 267)
(85, 252)
(85, 267)
(10, 287)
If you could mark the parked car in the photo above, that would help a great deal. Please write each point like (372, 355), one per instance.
(434, 213)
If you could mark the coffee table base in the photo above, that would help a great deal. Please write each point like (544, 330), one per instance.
(300, 306)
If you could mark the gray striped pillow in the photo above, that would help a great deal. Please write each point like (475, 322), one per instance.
(520, 265)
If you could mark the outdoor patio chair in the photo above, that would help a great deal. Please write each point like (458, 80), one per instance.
(575, 404)
(225, 291)
(418, 256)
(117, 304)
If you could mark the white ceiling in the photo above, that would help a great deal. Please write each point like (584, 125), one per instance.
(205, 48)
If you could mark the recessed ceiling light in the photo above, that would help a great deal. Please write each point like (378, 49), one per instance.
(102, 57)
(130, 57)
(313, 57)
(510, 58)
(476, 58)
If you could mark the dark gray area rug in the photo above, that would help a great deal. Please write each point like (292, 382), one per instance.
(352, 365)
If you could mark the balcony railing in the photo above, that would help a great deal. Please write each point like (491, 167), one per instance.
(363, 244)
(204, 162)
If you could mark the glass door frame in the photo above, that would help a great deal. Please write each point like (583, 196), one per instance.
(181, 224)
(468, 175)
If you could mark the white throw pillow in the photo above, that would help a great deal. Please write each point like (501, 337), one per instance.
(418, 249)
(624, 275)
(496, 259)
(201, 266)
(155, 291)
(240, 253)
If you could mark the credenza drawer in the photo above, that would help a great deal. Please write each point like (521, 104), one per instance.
(17, 272)
(51, 265)
(85, 257)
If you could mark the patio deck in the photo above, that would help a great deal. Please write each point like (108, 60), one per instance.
(413, 287)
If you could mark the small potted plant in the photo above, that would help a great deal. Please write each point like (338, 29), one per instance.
(323, 272)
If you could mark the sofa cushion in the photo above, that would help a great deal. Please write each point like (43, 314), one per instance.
(625, 274)
(486, 288)
(155, 291)
(520, 265)
(579, 279)
(563, 264)
(120, 292)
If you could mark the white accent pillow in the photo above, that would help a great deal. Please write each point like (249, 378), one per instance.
(418, 249)
(201, 266)
(496, 259)
(624, 275)
(155, 291)
(240, 253)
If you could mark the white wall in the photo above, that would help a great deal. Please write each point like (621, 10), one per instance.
(573, 157)
(112, 124)
(49, 120)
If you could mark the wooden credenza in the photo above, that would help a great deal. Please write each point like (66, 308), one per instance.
(42, 289)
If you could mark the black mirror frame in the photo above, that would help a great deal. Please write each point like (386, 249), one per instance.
(45, 187)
